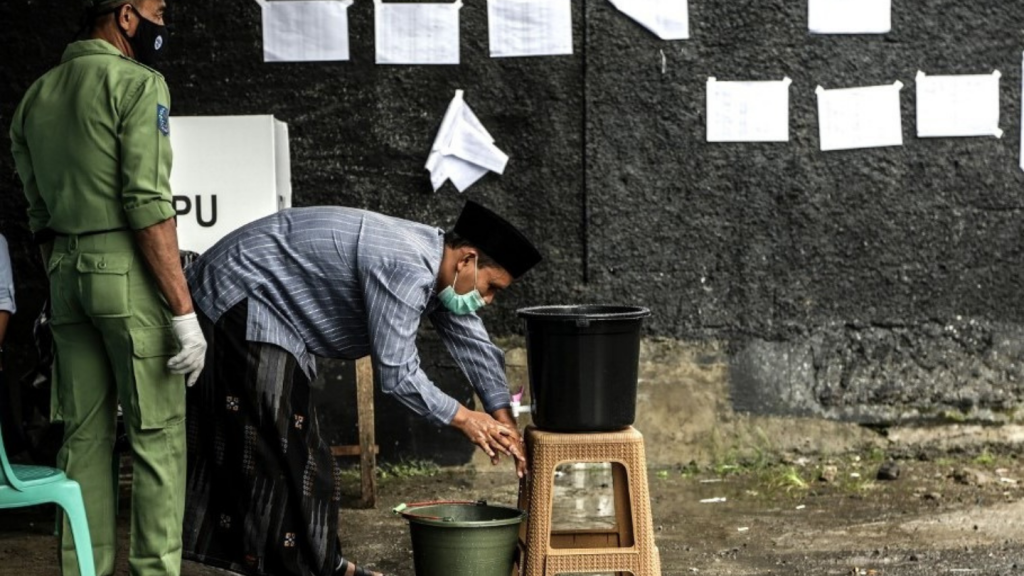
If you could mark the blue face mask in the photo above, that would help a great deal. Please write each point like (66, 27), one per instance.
(462, 304)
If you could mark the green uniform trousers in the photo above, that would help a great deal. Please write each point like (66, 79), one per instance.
(112, 335)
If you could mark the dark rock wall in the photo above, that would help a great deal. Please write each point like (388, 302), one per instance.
(838, 278)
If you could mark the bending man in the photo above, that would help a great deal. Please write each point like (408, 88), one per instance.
(339, 283)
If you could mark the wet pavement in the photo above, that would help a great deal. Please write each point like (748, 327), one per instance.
(955, 517)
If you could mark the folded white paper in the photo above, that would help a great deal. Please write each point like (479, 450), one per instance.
(668, 19)
(305, 31)
(849, 16)
(748, 111)
(463, 151)
(417, 33)
(962, 105)
(867, 117)
(529, 27)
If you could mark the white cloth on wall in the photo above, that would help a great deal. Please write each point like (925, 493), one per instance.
(668, 19)
(849, 16)
(421, 33)
(748, 111)
(959, 105)
(305, 31)
(866, 117)
(464, 151)
(529, 27)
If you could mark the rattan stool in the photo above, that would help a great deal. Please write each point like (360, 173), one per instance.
(628, 548)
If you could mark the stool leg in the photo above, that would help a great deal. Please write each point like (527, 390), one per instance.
(539, 494)
(623, 505)
(643, 522)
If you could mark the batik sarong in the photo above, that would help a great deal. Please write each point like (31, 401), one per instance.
(263, 490)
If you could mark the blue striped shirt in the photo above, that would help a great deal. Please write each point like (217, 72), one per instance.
(346, 283)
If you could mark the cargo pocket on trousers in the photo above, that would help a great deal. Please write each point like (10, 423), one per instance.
(161, 395)
(103, 281)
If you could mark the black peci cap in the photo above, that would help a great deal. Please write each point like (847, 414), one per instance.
(497, 238)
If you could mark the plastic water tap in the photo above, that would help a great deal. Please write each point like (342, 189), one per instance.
(518, 407)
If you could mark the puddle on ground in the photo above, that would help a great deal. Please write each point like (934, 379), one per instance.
(728, 509)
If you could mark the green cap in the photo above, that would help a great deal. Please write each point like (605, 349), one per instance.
(99, 4)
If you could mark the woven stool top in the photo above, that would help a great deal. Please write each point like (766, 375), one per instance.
(626, 435)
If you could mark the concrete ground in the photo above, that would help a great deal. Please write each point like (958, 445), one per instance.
(943, 516)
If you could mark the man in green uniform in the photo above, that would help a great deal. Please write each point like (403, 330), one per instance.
(91, 145)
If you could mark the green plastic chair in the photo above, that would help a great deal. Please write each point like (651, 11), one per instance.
(22, 486)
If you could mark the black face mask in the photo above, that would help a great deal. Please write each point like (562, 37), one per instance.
(150, 40)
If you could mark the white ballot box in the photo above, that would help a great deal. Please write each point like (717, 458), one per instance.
(228, 171)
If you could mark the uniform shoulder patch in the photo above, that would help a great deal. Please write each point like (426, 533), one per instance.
(162, 119)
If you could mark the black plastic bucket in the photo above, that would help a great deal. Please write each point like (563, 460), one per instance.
(583, 363)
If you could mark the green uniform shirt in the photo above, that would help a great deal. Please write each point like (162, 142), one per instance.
(91, 143)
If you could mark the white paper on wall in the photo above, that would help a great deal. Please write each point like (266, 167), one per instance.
(849, 16)
(867, 117)
(668, 19)
(960, 105)
(464, 150)
(529, 27)
(306, 31)
(422, 33)
(748, 111)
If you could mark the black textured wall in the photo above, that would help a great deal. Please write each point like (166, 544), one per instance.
(874, 285)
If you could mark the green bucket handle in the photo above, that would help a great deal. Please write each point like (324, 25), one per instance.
(400, 509)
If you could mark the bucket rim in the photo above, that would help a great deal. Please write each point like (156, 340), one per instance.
(407, 512)
(566, 312)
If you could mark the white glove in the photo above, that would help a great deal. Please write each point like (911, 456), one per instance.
(192, 357)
